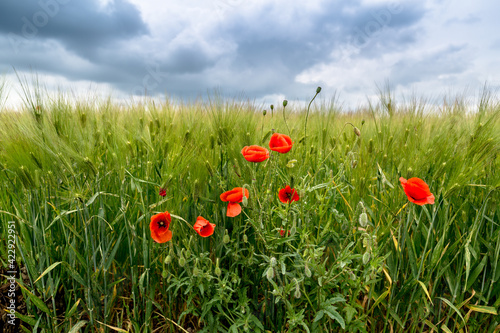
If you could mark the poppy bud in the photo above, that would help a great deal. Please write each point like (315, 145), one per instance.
(366, 258)
(285, 102)
(196, 271)
(318, 90)
(273, 261)
(362, 122)
(182, 261)
(297, 289)
(270, 273)
(217, 268)
(226, 238)
(363, 220)
(245, 238)
(168, 259)
(164, 274)
(357, 131)
(264, 112)
(272, 107)
(307, 271)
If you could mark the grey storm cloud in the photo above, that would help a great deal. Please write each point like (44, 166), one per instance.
(81, 26)
(447, 61)
(259, 51)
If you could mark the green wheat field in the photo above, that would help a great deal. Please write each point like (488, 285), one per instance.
(80, 182)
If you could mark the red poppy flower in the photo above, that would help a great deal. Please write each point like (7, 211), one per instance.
(234, 196)
(280, 143)
(159, 227)
(288, 194)
(417, 191)
(255, 153)
(163, 192)
(203, 227)
(283, 232)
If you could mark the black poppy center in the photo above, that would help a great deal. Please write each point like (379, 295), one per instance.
(161, 224)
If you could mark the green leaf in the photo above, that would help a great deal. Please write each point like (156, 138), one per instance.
(483, 309)
(319, 315)
(37, 301)
(446, 329)
(425, 290)
(141, 281)
(336, 299)
(332, 313)
(380, 299)
(28, 320)
(72, 311)
(91, 200)
(77, 326)
(475, 273)
(431, 325)
(257, 322)
(467, 265)
(113, 253)
(350, 312)
(453, 307)
(51, 267)
(78, 278)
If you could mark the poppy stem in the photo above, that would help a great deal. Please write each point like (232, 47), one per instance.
(307, 116)
(284, 119)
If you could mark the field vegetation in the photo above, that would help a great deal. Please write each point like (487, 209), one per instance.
(82, 180)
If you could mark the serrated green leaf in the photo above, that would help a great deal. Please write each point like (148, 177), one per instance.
(319, 315)
(350, 312)
(336, 316)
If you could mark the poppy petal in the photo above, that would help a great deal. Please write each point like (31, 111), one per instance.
(203, 227)
(417, 191)
(234, 195)
(233, 209)
(255, 153)
(161, 237)
(280, 143)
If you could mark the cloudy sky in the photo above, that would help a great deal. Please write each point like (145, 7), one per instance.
(261, 50)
